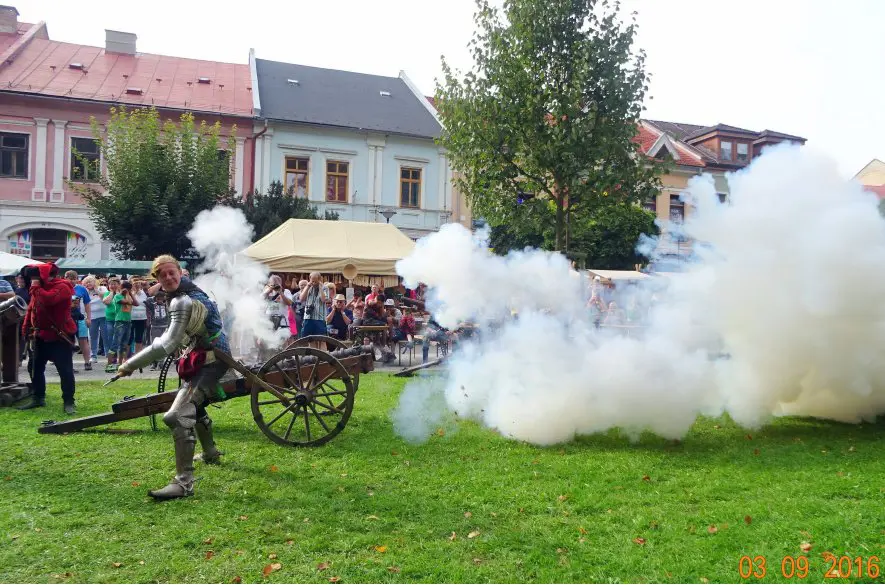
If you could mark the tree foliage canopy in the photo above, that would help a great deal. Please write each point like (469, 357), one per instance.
(548, 112)
(268, 211)
(160, 175)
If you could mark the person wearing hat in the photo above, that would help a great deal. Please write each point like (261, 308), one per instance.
(338, 319)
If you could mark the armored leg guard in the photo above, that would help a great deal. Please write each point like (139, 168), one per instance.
(210, 455)
(181, 418)
(182, 485)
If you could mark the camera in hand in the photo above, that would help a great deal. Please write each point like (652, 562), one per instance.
(30, 273)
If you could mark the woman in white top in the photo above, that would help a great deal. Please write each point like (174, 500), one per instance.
(277, 300)
(139, 317)
(97, 308)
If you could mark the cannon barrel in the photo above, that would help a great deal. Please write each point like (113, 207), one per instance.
(12, 310)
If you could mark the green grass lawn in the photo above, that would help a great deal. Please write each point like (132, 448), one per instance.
(467, 505)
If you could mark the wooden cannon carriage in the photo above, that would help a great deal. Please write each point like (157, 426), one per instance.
(300, 397)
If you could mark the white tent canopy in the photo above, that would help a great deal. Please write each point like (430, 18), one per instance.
(305, 245)
(11, 263)
(618, 275)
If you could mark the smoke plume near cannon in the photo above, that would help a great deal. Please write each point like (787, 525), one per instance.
(781, 314)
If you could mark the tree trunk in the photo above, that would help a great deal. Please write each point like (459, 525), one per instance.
(560, 224)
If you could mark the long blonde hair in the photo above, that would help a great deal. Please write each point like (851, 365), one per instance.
(163, 259)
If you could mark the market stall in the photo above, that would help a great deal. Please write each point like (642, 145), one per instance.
(361, 252)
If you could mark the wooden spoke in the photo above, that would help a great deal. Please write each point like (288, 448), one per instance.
(310, 382)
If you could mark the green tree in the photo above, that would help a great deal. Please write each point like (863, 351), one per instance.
(606, 238)
(268, 211)
(159, 177)
(550, 109)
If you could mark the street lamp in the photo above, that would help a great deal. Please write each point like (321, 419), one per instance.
(388, 213)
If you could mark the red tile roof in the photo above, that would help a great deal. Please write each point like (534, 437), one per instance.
(879, 190)
(648, 135)
(8, 39)
(43, 67)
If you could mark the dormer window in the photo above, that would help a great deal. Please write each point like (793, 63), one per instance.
(725, 152)
(743, 152)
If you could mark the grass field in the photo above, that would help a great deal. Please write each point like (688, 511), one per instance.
(467, 505)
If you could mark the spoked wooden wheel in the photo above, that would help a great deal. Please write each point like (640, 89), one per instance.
(320, 397)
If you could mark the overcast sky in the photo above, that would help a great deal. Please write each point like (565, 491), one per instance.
(813, 68)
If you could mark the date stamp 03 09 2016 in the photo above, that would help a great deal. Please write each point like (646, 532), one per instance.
(842, 567)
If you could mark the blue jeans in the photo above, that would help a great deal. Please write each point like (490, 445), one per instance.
(96, 329)
(121, 339)
(108, 337)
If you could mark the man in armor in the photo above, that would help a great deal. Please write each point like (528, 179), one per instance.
(195, 326)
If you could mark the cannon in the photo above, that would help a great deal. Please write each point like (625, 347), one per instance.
(11, 313)
(301, 396)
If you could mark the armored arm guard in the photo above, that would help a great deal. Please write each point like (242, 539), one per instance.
(180, 310)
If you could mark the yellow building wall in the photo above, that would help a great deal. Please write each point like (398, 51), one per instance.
(872, 175)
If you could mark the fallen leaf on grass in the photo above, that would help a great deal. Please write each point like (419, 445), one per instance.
(749, 437)
(208, 540)
(473, 534)
(581, 530)
(805, 546)
(851, 449)
(394, 453)
(712, 529)
(582, 540)
(239, 552)
(237, 579)
(646, 478)
(561, 551)
(716, 427)
(477, 561)
(7, 478)
(38, 530)
(210, 554)
(117, 565)
(307, 520)
(704, 580)
(441, 432)
(381, 548)
(290, 542)
(334, 579)
(639, 541)
(135, 484)
(468, 514)
(244, 517)
(747, 520)
(15, 537)
(140, 562)
(274, 468)
(323, 566)
(562, 498)
(343, 475)
(268, 569)
(653, 525)
(372, 517)
(272, 556)
(453, 536)
(394, 569)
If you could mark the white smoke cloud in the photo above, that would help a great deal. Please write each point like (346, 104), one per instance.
(233, 280)
(782, 314)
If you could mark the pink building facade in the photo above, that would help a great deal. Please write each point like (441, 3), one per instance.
(50, 90)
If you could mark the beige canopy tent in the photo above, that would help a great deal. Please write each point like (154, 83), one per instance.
(307, 245)
(618, 275)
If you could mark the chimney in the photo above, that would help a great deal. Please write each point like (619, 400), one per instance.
(119, 42)
(8, 19)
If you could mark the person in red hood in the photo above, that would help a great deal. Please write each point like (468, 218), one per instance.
(48, 326)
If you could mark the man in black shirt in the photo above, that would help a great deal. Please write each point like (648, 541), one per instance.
(338, 319)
